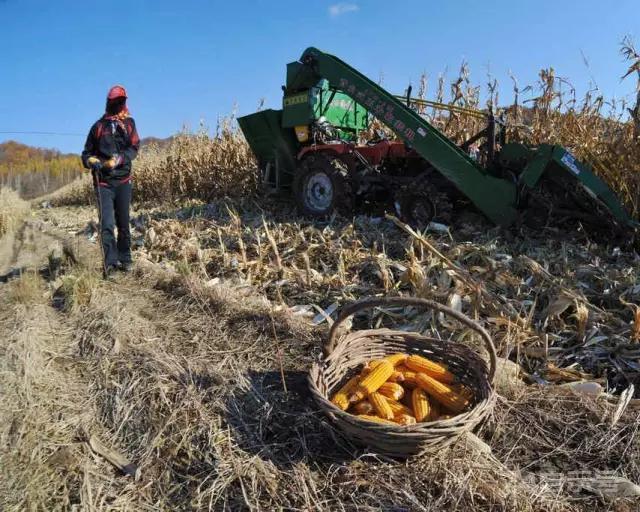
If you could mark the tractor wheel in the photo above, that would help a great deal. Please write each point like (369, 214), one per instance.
(417, 210)
(424, 202)
(321, 186)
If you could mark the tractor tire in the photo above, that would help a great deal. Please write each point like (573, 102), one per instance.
(321, 186)
(417, 210)
(425, 202)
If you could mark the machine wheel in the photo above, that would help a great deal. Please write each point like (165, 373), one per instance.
(321, 186)
(417, 210)
(424, 202)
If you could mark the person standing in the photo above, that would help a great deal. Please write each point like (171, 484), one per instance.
(111, 147)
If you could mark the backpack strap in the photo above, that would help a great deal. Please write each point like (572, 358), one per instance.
(99, 130)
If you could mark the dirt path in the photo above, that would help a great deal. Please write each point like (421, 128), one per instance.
(40, 237)
(28, 248)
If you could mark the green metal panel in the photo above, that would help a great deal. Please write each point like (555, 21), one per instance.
(495, 197)
(296, 109)
(548, 158)
(269, 141)
(338, 108)
(299, 77)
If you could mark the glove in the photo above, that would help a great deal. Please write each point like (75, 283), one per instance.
(114, 162)
(94, 163)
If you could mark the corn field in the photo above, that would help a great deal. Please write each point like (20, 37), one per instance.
(601, 132)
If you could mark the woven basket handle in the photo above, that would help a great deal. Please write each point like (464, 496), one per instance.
(355, 307)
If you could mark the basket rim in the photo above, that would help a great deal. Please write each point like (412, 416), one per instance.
(471, 416)
(335, 333)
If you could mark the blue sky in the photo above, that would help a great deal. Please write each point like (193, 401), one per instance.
(194, 59)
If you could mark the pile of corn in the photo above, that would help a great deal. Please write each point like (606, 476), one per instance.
(403, 389)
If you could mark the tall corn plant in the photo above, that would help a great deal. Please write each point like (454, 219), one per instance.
(629, 52)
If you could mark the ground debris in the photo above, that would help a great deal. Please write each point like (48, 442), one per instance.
(550, 301)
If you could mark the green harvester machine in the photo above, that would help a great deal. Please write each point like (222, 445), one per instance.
(310, 148)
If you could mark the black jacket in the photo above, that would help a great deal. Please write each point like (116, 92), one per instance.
(108, 138)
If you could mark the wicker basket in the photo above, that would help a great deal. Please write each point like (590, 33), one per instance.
(345, 353)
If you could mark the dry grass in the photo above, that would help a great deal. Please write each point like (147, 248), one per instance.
(77, 289)
(27, 289)
(185, 380)
(12, 210)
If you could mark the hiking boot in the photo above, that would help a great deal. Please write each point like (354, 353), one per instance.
(110, 271)
(124, 266)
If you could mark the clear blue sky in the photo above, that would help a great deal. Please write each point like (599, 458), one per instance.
(187, 60)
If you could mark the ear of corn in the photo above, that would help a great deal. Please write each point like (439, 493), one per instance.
(405, 419)
(462, 390)
(363, 407)
(375, 419)
(372, 381)
(409, 379)
(437, 371)
(396, 376)
(372, 364)
(397, 408)
(341, 398)
(396, 359)
(420, 403)
(391, 390)
(381, 406)
(442, 393)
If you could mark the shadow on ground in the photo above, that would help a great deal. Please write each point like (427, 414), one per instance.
(277, 420)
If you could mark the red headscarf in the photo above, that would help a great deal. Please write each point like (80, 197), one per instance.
(115, 93)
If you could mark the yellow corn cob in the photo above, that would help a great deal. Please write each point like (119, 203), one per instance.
(463, 391)
(381, 406)
(396, 376)
(368, 367)
(442, 393)
(391, 390)
(405, 419)
(437, 371)
(396, 359)
(398, 409)
(375, 419)
(372, 381)
(420, 403)
(372, 364)
(341, 398)
(409, 380)
(363, 407)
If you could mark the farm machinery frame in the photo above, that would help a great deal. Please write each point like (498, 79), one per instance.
(310, 148)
